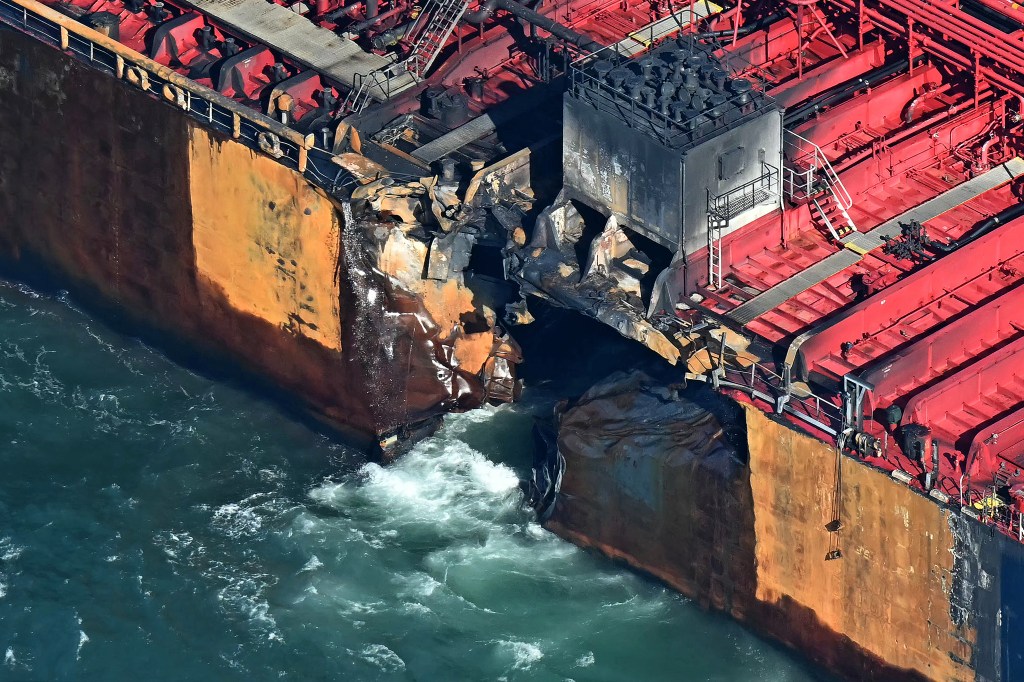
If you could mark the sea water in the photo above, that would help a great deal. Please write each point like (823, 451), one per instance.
(157, 524)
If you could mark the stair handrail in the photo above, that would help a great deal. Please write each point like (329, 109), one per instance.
(449, 11)
(806, 148)
(421, 22)
(828, 221)
(359, 96)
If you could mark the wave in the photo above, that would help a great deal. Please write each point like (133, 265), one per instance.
(207, 542)
(382, 657)
(523, 654)
(9, 554)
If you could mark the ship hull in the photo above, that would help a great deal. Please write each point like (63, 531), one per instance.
(182, 229)
(744, 522)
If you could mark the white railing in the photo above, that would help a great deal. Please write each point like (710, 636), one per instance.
(442, 18)
(359, 96)
(807, 172)
(738, 373)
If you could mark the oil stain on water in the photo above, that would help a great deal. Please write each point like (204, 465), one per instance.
(156, 524)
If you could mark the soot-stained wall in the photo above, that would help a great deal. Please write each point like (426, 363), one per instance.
(662, 192)
(987, 597)
(617, 169)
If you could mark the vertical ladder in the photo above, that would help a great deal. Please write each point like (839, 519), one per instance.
(442, 18)
(715, 227)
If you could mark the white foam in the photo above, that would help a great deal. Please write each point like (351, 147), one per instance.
(311, 565)
(524, 654)
(82, 639)
(382, 657)
(415, 607)
(586, 660)
(441, 481)
(455, 424)
(492, 478)
(419, 585)
(633, 600)
(236, 521)
(180, 547)
(246, 595)
(305, 524)
(9, 553)
(272, 474)
(243, 590)
(9, 658)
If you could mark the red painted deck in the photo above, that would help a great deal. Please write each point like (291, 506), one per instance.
(971, 396)
(950, 346)
(1004, 440)
(956, 284)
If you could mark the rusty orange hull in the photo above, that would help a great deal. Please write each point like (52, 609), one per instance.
(901, 588)
(189, 232)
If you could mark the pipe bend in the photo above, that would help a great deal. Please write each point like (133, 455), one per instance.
(930, 92)
(986, 148)
(485, 12)
(530, 16)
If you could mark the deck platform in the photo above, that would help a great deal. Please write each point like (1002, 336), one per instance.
(858, 243)
(281, 29)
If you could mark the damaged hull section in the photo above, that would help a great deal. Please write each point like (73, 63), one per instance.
(193, 234)
(733, 518)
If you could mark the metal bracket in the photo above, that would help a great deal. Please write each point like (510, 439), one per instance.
(718, 372)
(854, 390)
(787, 390)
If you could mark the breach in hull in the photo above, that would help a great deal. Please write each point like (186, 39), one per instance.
(807, 207)
(197, 216)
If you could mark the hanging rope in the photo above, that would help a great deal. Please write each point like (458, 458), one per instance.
(836, 524)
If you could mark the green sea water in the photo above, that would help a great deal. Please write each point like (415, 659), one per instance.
(156, 524)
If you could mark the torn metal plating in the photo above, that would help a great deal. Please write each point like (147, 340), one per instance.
(606, 288)
(424, 327)
(610, 287)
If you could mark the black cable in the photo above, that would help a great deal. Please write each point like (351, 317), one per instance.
(983, 228)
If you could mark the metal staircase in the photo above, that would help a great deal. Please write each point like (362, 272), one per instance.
(808, 177)
(834, 217)
(379, 84)
(432, 30)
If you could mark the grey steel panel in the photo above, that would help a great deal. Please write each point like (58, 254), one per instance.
(935, 207)
(305, 42)
(455, 139)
